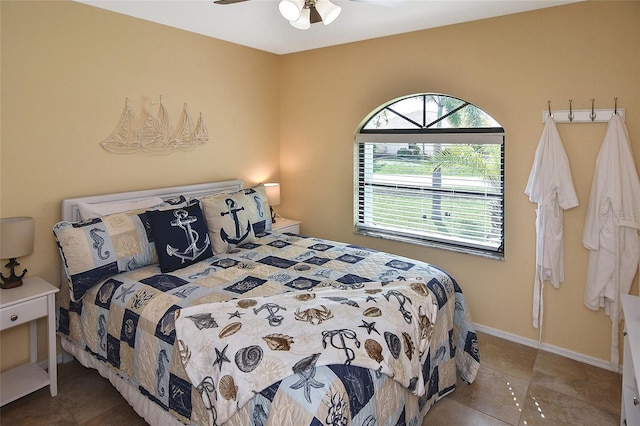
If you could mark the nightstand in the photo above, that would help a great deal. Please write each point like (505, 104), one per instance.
(34, 299)
(286, 225)
(629, 408)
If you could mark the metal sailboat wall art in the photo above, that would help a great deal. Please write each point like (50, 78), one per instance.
(156, 136)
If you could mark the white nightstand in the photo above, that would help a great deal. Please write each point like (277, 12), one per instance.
(630, 408)
(34, 299)
(286, 225)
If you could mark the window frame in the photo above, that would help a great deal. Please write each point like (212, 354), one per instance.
(432, 136)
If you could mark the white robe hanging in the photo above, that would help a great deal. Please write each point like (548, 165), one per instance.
(550, 185)
(612, 225)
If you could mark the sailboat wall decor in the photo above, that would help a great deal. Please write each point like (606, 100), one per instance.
(156, 136)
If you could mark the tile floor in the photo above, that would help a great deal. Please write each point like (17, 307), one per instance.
(516, 385)
(519, 385)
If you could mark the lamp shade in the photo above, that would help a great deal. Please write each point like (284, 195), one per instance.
(304, 23)
(16, 237)
(273, 193)
(328, 11)
(291, 9)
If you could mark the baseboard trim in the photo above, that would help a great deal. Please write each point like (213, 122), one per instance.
(596, 362)
(62, 358)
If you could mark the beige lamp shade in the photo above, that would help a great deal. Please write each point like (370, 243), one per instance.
(16, 237)
(273, 193)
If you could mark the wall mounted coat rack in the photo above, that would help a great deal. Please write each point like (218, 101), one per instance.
(583, 115)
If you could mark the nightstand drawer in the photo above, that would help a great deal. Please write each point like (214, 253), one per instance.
(23, 312)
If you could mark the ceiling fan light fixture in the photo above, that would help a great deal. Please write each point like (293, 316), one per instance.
(304, 22)
(328, 11)
(291, 9)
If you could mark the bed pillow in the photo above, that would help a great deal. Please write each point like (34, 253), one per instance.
(93, 210)
(180, 236)
(227, 221)
(98, 248)
(256, 205)
(94, 250)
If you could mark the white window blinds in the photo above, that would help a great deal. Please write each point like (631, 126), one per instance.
(441, 188)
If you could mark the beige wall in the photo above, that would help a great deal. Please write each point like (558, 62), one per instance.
(508, 66)
(67, 68)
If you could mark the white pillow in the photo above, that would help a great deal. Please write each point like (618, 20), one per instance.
(94, 210)
(227, 221)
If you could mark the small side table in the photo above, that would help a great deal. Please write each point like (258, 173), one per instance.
(629, 408)
(34, 299)
(286, 225)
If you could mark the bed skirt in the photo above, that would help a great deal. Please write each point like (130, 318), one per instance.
(145, 408)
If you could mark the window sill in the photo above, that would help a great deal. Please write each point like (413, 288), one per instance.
(432, 244)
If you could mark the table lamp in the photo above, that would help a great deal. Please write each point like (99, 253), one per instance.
(16, 240)
(273, 195)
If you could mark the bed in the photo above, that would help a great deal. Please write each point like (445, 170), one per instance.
(262, 328)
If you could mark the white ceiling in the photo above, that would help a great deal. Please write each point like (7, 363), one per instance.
(258, 23)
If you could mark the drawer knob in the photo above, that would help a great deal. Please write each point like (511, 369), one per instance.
(624, 332)
(635, 401)
(14, 317)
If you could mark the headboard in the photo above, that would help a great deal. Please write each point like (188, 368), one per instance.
(71, 213)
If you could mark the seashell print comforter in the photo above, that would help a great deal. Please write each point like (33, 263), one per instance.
(128, 322)
(384, 327)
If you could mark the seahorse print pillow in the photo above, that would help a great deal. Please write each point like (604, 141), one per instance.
(180, 236)
(96, 249)
(256, 205)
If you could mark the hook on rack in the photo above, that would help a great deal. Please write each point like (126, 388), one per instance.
(549, 106)
(571, 115)
(592, 116)
(615, 106)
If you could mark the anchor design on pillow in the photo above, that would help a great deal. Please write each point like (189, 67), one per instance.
(184, 221)
(232, 209)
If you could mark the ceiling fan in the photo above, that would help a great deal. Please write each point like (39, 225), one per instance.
(302, 13)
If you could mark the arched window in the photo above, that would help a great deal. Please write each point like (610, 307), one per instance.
(430, 170)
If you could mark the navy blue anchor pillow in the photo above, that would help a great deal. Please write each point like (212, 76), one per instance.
(180, 236)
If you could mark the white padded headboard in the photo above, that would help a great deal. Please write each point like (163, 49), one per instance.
(71, 213)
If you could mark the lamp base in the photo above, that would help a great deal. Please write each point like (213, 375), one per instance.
(13, 280)
(273, 215)
(11, 283)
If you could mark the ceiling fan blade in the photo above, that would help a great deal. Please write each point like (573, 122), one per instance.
(228, 1)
